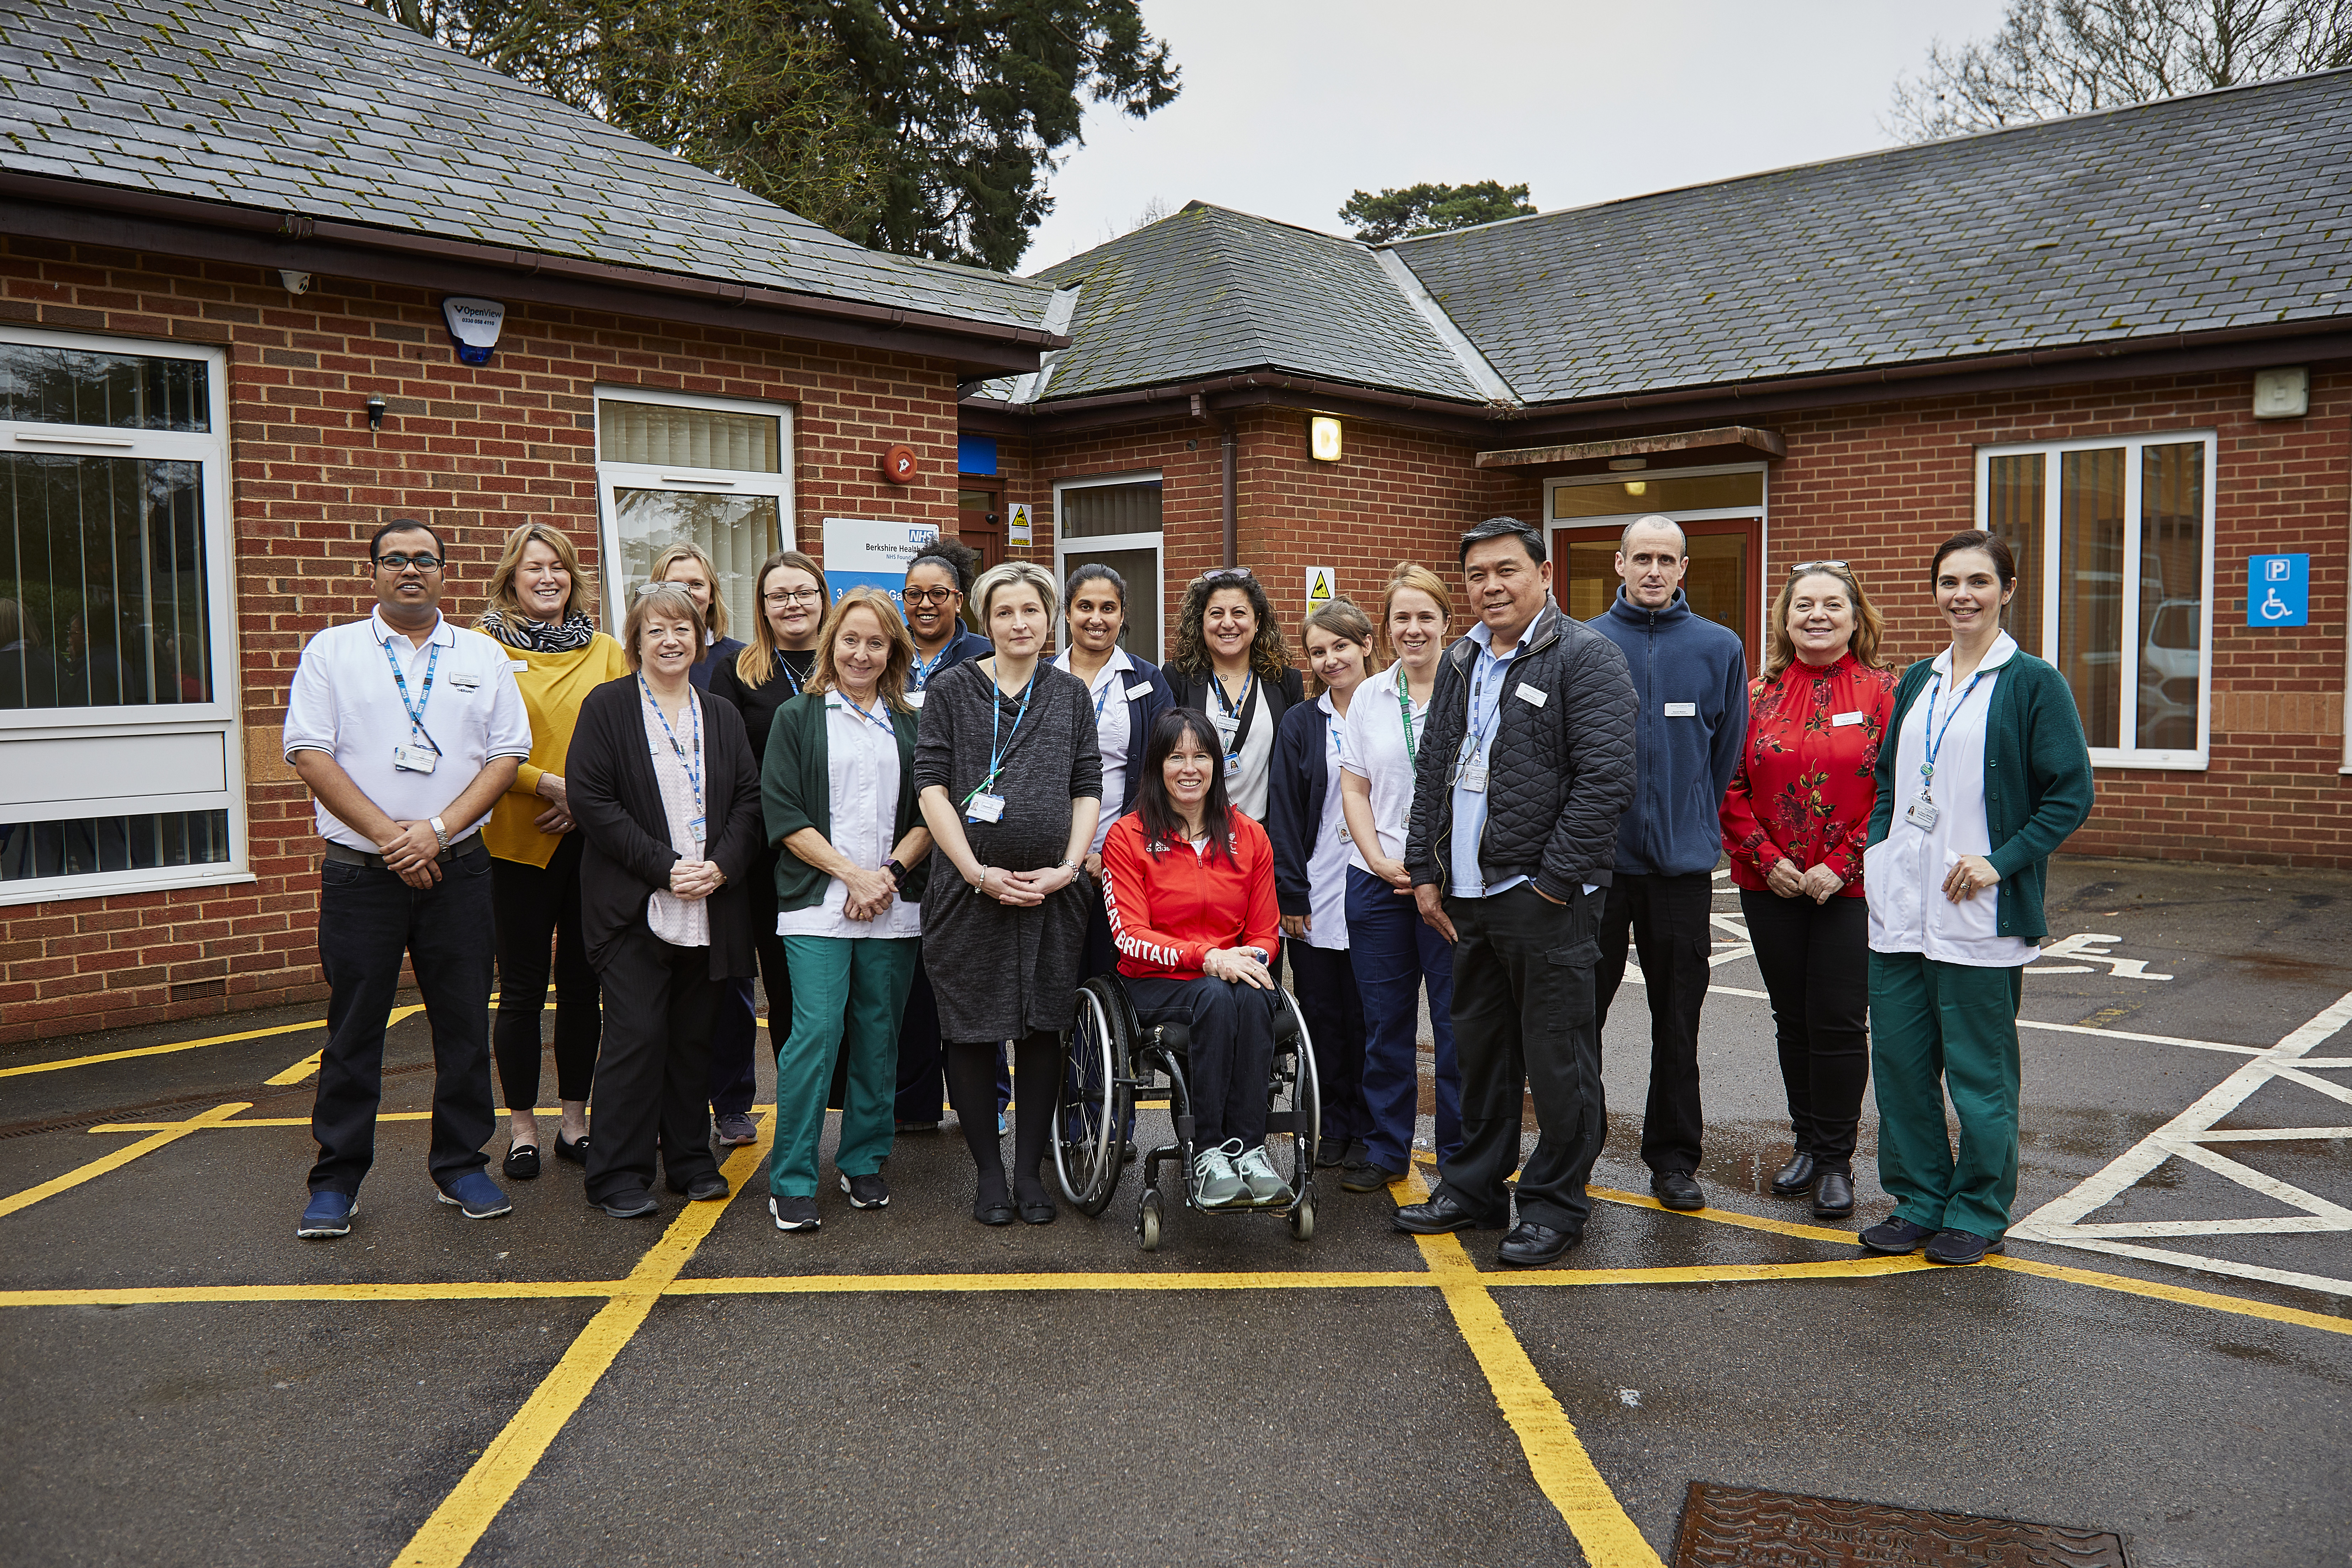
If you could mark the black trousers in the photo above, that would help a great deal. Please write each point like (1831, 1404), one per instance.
(1232, 1055)
(367, 919)
(532, 905)
(1524, 1023)
(1666, 919)
(659, 1005)
(1816, 964)
(1323, 980)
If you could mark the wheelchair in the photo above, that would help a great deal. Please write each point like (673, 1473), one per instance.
(1114, 1062)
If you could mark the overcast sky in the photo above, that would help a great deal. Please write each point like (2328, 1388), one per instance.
(1290, 105)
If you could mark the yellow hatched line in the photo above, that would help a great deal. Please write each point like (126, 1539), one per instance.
(121, 1157)
(159, 1050)
(457, 1525)
(203, 1295)
(922, 1284)
(2181, 1294)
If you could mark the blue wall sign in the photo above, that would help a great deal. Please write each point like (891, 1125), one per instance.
(2278, 590)
(975, 454)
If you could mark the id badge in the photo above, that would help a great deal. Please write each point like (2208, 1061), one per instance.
(914, 698)
(693, 830)
(1233, 766)
(1922, 813)
(985, 808)
(1226, 723)
(1474, 777)
(415, 759)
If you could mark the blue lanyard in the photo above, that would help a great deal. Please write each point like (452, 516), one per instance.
(922, 672)
(1934, 739)
(882, 724)
(693, 765)
(996, 754)
(1103, 696)
(415, 710)
(1476, 741)
(1234, 709)
(792, 675)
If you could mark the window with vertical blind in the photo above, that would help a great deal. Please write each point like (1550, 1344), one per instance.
(675, 469)
(117, 652)
(1114, 519)
(2114, 541)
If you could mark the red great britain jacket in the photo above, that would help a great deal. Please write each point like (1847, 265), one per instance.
(1169, 906)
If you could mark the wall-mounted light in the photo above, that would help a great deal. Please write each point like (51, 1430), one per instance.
(1323, 438)
(1627, 465)
(296, 282)
(474, 326)
(1637, 487)
(375, 410)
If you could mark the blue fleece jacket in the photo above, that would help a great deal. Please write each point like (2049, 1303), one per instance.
(1691, 676)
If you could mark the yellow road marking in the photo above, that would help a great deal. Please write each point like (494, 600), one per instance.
(160, 1050)
(457, 1525)
(204, 1295)
(1727, 1217)
(121, 1157)
(1555, 1456)
(310, 1064)
(2124, 1283)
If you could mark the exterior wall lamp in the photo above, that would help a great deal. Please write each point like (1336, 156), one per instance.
(1323, 438)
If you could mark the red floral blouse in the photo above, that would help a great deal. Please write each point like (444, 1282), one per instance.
(1804, 789)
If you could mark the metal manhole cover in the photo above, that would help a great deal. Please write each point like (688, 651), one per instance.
(1727, 1526)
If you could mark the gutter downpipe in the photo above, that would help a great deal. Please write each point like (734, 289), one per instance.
(1231, 530)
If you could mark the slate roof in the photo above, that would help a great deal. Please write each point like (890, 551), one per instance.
(326, 109)
(2224, 209)
(1209, 290)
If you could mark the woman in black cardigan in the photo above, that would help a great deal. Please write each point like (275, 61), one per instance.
(665, 793)
(1232, 664)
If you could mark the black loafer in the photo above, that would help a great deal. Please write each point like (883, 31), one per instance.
(1040, 1210)
(634, 1204)
(1956, 1246)
(1531, 1245)
(1894, 1236)
(1437, 1217)
(1795, 1179)
(521, 1162)
(1834, 1196)
(1678, 1191)
(997, 1212)
(575, 1152)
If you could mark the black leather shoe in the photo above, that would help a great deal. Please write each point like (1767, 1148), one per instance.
(998, 1212)
(1678, 1191)
(1438, 1215)
(1960, 1246)
(1894, 1236)
(1834, 1196)
(1038, 1211)
(1795, 1179)
(521, 1162)
(1531, 1245)
(575, 1152)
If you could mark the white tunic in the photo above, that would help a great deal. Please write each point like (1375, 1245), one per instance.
(1902, 875)
(677, 752)
(1326, 865)
(1108, 692)
(861, 764)
(1377, 754)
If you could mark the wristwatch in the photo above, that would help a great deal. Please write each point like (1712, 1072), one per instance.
(441, 833)
(898, 872)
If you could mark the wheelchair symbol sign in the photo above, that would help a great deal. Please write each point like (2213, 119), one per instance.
(2278, 590)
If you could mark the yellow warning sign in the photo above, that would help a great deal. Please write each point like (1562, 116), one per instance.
(1322, 582)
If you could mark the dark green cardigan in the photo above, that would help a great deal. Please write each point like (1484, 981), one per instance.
(2037, 780)
(796, 792)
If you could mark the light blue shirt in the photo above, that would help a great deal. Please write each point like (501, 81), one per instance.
(1489, 675)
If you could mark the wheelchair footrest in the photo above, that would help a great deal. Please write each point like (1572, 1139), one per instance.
(1184, 1130)
(1283, 1122)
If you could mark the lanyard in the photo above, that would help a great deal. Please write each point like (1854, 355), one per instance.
(693, 765)
(1474, 742)
(1104, 696)
(996, 755)
(923, 672)
(1234, 709)
(880, 723)
(415, 710)
(792, 677)
(1933, 741)
(1404, 713)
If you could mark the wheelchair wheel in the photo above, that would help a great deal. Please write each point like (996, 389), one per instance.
(1091, 1111)
(1302, 1218)
(1294, 1101)
(1147, 1221)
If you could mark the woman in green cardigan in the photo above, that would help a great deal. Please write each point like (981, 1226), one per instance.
(838, 789)
(1987, 777)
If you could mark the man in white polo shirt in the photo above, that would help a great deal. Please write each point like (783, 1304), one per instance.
(407, 731)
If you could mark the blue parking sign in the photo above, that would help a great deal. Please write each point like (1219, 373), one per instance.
(2278, 590)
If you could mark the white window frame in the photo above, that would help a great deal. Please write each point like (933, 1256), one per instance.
(615, 476)
(2128, 697)
(1615, 522)
(1157, 542)
(23, 728)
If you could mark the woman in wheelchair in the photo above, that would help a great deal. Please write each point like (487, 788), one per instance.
(1189, 883)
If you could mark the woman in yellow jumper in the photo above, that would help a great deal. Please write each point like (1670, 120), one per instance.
(539, 598)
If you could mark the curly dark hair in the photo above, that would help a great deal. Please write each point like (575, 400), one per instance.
(959, 558)
(1269, 653)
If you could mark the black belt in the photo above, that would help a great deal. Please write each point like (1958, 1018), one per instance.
(351, 856)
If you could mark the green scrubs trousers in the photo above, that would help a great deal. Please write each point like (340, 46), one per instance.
(860, 983)
(1935, 1028)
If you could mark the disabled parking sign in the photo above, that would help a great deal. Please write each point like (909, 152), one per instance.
(2278, 590)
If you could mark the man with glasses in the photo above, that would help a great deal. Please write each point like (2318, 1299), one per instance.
(1690, 676)
(407, 731)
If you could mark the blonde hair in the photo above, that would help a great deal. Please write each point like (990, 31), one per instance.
(757, 663)
(823, 676)
(1411, 574)
(984, 588)
(653, 599)
(500, 594)
(1340, 616)
(1869, 626)
(716, 619)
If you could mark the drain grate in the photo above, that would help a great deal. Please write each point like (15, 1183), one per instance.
(1724, 1526)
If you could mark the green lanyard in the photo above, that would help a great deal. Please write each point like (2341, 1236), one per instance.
(1405, 712)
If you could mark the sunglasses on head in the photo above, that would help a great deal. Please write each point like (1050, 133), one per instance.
(1802, 567)
(1226, 574)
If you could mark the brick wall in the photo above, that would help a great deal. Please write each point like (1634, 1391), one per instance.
(474, 450)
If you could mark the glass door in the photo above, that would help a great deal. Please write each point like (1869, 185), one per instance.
(1723, 584)
(688, 472)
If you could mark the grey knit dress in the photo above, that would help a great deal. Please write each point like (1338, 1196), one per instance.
(998, 972)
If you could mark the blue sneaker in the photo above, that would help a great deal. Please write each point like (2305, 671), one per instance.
(476, 1196)
(328, 1214)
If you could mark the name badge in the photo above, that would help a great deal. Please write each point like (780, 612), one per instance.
(1140, 689)
(415, 759)
(915, 701)
(1530, 694)
(517, 665)
(1922, 813)
(1474, 777)
(1681, 710)
(694, 829)
(985, 808)
(1233, 766)
(1836, 719)
(1226, 723)
(465, 683)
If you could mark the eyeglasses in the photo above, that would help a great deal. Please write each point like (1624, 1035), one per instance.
(929, 596)
(1226, 574)
(399, 562)
(1804, 566)
(794, 596)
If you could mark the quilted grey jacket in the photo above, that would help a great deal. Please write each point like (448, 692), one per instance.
(1559, 774)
